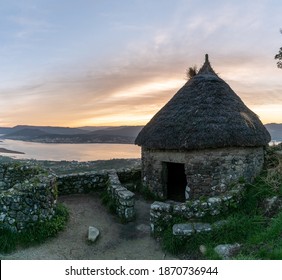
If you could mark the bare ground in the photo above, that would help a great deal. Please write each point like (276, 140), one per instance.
(130, 241)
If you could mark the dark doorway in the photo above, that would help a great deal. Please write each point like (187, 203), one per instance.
(176, 181)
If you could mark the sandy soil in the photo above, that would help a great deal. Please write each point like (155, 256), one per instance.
(116, 241)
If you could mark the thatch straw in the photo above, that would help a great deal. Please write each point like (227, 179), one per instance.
(204, 113)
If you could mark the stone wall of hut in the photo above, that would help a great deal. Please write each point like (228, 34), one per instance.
(209, 172)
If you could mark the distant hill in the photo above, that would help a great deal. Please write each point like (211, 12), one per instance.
(4, 130)
(49, 129)
(124, 135)
(275, 130)
(91, 134)
(26, 134)
(93, 128)
(130, 131)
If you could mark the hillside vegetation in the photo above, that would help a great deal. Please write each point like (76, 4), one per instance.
(256, 224)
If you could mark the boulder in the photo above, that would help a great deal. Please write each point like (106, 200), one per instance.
(93, 234)
(272, 206)
(227, 251)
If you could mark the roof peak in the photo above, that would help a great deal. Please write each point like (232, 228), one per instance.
(206, 68)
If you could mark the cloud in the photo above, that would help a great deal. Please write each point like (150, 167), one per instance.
(128, 84)
(120, 90)
(132, 88)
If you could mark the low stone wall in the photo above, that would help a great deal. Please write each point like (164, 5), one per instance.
(162, 213)
(123, 198)
(91, 181)
(129, 175)
(81, 182)
(28, 195)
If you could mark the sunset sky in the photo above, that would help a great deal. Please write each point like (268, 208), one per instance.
(109, 62)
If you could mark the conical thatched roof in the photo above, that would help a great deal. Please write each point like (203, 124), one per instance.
(204, 113)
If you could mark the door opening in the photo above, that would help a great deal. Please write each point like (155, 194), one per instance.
(176, 181)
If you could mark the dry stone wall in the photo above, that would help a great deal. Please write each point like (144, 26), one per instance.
(77, 183)
(91, 181)
(123, 198)
(28, 195)
(162, 213)
(208, 172)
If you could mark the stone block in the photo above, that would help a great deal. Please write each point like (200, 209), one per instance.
(3, 185)
(129, 214)
(202, 227)
(183, 229)
(190, 228)
(118, 189)
(214, 200)
(2, 217)
(181, 208)
(161, 206)
(126, 195)
(126, 202)
(214, 212)
(93, 233)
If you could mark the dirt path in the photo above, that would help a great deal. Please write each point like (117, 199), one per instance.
(116, 241)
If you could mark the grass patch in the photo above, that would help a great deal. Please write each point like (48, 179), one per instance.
(237, 229)
(108, 201)
(267, 243)
(248, 225)
(10, 241)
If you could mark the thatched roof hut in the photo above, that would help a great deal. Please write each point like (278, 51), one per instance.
(202, 141)
(204, 113)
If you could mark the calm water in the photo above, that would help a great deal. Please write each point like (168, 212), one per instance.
(79, 152)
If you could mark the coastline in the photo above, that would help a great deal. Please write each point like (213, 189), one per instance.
(6, 151)
(70, 152)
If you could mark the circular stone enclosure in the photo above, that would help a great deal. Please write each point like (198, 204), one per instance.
(28, 195)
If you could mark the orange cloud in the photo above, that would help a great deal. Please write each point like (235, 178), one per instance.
(132, 90)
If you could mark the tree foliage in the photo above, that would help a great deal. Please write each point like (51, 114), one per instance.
(279, 56)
